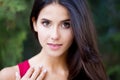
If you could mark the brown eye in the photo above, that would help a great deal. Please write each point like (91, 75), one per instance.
(66, 25)
(46, 23)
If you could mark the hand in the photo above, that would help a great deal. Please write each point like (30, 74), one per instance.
(33, 74)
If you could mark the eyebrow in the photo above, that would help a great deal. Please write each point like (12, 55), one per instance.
(61, 20)
(66, 20)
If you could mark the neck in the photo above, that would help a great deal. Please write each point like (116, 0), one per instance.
(52, 63)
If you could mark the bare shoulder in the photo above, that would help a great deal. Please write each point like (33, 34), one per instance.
(8, 73)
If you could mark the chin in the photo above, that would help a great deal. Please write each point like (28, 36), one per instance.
(55, 54)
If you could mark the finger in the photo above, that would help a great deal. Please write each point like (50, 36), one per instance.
(17, 75)
(36, 73)
(29, 73)
(42, 75)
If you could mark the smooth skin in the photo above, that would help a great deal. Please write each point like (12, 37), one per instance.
(55, 36)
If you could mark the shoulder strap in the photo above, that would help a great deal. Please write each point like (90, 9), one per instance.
(23, 67)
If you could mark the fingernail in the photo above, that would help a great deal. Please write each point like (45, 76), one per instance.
(45, 70)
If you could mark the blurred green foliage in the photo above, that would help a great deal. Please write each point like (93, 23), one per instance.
(12, 31)
(14, 28)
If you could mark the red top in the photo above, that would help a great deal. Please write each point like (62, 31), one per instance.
(23, 67)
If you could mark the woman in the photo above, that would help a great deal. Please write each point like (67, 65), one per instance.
(66, 34)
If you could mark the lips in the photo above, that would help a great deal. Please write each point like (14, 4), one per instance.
(54, 46)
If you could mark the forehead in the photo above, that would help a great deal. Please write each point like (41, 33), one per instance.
(54, 10)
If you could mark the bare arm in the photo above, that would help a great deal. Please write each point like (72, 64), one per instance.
(8, 73)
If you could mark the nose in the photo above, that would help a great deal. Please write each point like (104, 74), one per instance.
(55, 34)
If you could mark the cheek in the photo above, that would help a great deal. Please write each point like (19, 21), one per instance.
(42, 36)
(68, 37)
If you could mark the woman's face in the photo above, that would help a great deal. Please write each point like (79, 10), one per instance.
(54, 29)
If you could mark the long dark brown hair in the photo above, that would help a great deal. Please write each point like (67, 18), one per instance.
(83, 60)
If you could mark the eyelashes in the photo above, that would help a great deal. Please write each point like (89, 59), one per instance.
(66, 25)
(63, 24)
(46, 23)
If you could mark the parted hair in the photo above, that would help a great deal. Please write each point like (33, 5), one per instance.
(83, 60)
